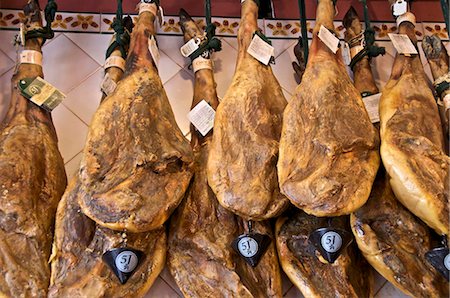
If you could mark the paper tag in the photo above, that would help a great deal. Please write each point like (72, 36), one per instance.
(400, 7)
(330, 242)
(108, 85)
(123, 262)
(260, 50)
(402, 44)
(346, 54)
(161, 16)
(251, 247)
(31, 57)
(148, 7)
(41, 93)
(202, 117)
(153, 48)
(372, 104)
(190, 47)
(406, 17)
(446, 101)
(329, 39)
(21, 36)
(115, 61)
(200, 63)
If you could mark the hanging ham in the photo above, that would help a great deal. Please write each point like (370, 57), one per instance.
(79, 245)
(244, 148)
(328, 147)
(32, 181)
(412, 146)
(391, 238)
(200, 256)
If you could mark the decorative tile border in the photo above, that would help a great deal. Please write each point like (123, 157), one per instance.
(284, 29)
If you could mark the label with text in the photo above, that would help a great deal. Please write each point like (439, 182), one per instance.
(30, 57)
(402, 44)
(115, 61)
(190, 47)
(202, 117)
(329, 39)
(41, 93)
(108, 86)
(261, 50)
(372, 104)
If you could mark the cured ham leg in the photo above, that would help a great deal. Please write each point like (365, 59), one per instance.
(394, 242)
(438, 59)
(302, 262)
(137, 163)
(412, 146)
(389, 236)
(32, 181)
(79, 244)
(244, 149)
(348, 276)
(200, 256)
(328, 147)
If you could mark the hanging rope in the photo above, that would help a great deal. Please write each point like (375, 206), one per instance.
(46, 32)
(303, 25)
(211, 42)
(122, 28)
(370, 49)
(445, 11)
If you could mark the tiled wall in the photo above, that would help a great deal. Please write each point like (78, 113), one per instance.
(73, 63)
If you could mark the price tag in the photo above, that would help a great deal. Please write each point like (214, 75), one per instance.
(329, 39)
(115, 61)
(439, 258)
(261, 50)
(251, 247)
(40, 92)
(402, 44)
(31, 57)
(202, 117)
(400, 7)
(153, 48)
(108, 86)
(330, 242)
(372, 104)
(123, 262)
(190, 47)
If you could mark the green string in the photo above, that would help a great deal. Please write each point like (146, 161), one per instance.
(302, 9)
(370, 49)
(46, 32)
(445, 12)
(122, 27)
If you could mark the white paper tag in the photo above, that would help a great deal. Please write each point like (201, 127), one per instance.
(22, 33)
(148, 7)
(153, 48)
(372, 103)
(108, 85)
(260, 50)
(190, 47)
(399, 7)
(328, 38)
(115, 61)
(402, 44)
(202, 117)
(446, 101)
(31, 57)
(346, 54)
(201, 63)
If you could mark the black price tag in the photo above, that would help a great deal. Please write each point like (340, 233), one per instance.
(330, 242)
(123, 262)
(251, 247)
(439, 258)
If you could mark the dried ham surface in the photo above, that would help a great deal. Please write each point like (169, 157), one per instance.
(77, 266)
(200, 256)
(137, 163)
(412, 146)
(244, 150)
(32, 181)
(328, 147)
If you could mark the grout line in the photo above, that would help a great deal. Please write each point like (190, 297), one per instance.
(83, 80)
(175, 290)
(287, 291)
(72, 158)
(81, 49)
(384, 284)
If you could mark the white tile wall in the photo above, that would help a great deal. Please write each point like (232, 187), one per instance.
(73, 62)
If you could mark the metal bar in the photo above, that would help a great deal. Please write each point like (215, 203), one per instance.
(445, 12)
(303, 25)
(208, 11)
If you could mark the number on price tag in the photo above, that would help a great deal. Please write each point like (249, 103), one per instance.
(331, 241)
(126, 261)
(123, 262)
(251, 247)
(248, 247)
